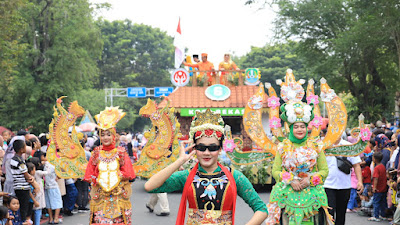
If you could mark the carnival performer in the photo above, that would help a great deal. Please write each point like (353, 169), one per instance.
(109, 171)
(202, 66)
(209, 188)
(299, 169)
(227, 64)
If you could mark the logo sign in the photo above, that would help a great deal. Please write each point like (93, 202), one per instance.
(252, 76)
(180, 77)
(223, 111)
(218, 92)
(162, 91)
(136, 92)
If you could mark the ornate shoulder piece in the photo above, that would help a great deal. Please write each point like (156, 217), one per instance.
(65, 151)
(162, 147)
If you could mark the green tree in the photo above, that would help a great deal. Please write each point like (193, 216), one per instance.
(274, 60)
(134, 54)
(63, 46)
(354, 44)
(12, 25)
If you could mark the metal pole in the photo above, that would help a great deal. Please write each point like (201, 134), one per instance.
(105, 96)
(111, 95)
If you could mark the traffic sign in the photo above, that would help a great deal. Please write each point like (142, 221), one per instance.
(180, 77)
(162, 91)
(136, 92)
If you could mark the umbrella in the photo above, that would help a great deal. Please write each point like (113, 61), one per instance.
(4, 128)
(87, 127)
(76, 128)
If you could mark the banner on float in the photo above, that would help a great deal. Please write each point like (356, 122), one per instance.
(222, 111)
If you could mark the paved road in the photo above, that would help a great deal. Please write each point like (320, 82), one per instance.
(141, 215)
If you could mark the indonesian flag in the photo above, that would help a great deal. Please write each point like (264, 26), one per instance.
(179, 49)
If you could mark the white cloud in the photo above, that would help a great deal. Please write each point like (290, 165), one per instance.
(211, 26)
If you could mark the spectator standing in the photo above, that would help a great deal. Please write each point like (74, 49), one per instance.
(21, 177)
(338, 185)
(52, 192)
(379, 188)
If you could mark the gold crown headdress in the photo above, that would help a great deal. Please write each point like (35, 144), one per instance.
(109, 117)
(207, 123)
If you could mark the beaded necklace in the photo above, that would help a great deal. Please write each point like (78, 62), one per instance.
(108, 156)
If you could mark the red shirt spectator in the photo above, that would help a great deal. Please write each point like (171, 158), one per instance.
(380, 174)
(366, 175)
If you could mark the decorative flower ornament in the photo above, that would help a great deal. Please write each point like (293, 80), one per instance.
(316, 180)
(256, 102)
(312, 99)
(229, 145)
(317, 122)
(274, 123)
(273, 102)
(286, 177)
(365, 134)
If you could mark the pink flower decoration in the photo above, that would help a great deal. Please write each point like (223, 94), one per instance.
(317, 121)
(229, 145)
(316, 180)
(273, 102)
(365, 134)
(312, 99)
(274, 123)
(286, 176)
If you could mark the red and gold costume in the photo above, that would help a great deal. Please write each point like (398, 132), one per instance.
(109, 171)
(207, 65)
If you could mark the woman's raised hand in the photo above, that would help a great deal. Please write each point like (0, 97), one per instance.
(182, 151)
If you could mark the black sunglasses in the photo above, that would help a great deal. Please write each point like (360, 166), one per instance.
(211, 148)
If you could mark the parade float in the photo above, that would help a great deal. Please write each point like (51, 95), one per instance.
(254, 128)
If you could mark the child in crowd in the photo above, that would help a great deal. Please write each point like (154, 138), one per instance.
(366, 202)
(39, 197)
(379, 188)
(52, 192)
(22, 179)
(32, 202)
(5, 218)
(71, 196)
(392, 189)
(352, 205)
(14, 211)
(366, 176)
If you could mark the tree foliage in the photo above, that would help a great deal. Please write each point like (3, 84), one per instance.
(274, 60)
(63, 45)
(354, 44)
(134, 54)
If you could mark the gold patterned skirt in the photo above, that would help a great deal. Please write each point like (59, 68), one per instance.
(206, 217)
(112, 207)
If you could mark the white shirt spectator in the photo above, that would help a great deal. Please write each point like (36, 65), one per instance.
(337, 179)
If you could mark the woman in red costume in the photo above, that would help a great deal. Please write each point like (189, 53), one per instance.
(109, 171)
(209, 188)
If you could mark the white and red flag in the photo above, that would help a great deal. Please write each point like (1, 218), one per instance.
(179, 48)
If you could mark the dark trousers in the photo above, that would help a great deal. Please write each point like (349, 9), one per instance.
(23, 198)
(83, 193)
(337, 200)
(379, 203)
(72, 194)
